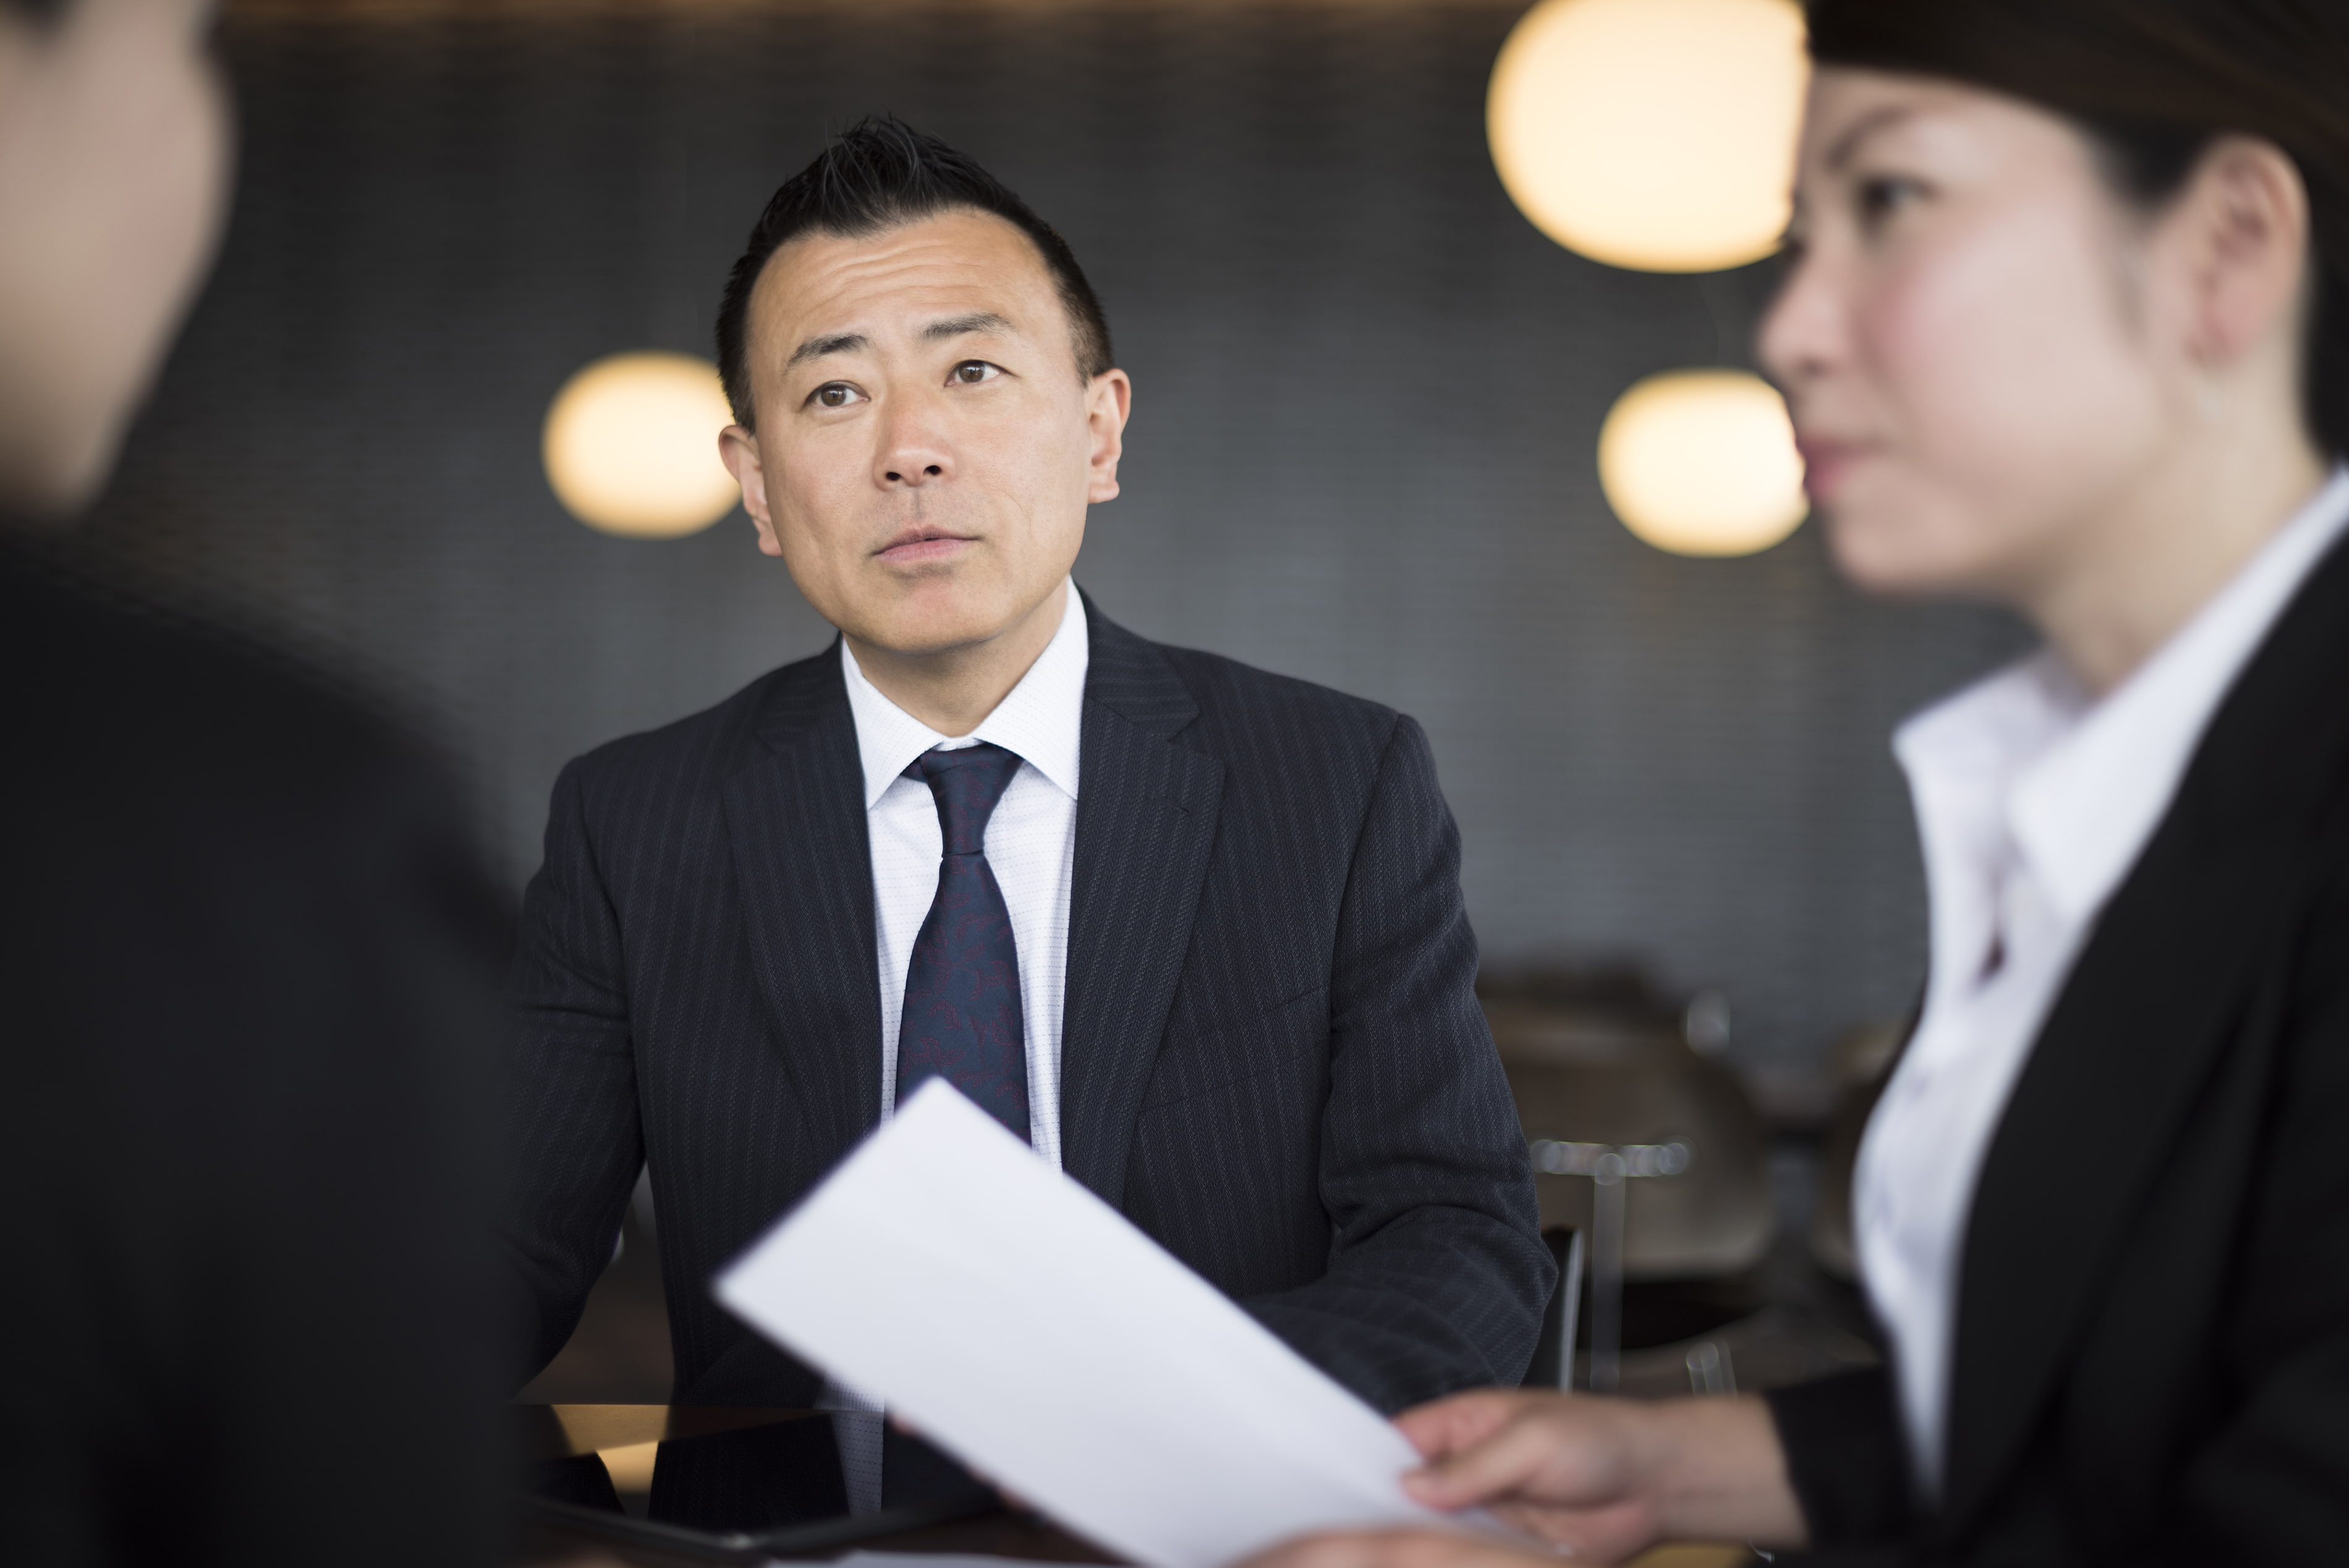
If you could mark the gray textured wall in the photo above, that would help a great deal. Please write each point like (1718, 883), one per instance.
(1367, 398)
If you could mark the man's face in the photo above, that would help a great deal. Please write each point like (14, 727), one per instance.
(925, 446)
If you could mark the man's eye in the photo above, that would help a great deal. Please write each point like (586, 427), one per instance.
(835, 395)
(971, 372)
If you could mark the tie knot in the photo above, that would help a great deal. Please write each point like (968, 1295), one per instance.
(966, 782)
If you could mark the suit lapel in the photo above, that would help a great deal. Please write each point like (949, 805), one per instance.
(795, 817)
(1146, 826)
(2111, 1087)
(2107, 1098)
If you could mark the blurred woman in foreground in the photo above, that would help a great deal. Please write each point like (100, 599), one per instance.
(2067, 327)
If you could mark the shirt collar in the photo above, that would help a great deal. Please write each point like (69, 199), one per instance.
(1041, 718)
(1961, 756)
(2076, 786)
(2081, 815)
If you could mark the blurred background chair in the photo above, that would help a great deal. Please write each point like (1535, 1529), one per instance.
(1553, 1365)
(1629, 1098)
(1600, 1057)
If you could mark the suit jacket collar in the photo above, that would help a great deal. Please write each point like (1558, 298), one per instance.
(1145, 825)
(803, 872)
(1132, 678)
(2109, 1091)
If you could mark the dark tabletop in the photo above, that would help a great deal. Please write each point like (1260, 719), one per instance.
(622, 1434)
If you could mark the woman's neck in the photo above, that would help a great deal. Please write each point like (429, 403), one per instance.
(2135, 574)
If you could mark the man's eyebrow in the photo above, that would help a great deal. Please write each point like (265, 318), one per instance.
(1848, 144)
(838, 343)
(958, 325)
(850, 342)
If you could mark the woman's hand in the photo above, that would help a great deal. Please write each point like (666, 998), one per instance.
(1569, 1470)
(1602, 1479)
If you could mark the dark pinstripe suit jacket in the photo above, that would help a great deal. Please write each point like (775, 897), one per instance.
(1272, 1059)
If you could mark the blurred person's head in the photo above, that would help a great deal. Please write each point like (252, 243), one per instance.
(2068, 287)
(924, 397)
(114, 155)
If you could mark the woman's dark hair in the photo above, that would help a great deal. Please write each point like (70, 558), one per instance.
(2153, 83)
(878, 174)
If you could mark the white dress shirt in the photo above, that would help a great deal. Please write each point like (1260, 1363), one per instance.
(1030, 844)
(2032, 803)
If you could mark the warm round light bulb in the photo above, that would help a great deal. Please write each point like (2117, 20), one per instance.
(1656, 134)
(631, 446)
(1703, 462)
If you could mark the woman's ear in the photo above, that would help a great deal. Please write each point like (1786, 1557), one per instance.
(2242, 227)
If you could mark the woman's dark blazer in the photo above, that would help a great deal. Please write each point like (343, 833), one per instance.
(2152, 1340)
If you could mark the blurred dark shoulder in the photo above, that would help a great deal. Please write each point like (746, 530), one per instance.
(251, 965)
(119, 672)
(140, 720)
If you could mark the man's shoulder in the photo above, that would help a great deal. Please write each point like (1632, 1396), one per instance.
(1239, 702)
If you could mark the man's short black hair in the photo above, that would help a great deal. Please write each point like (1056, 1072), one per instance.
(878, 174)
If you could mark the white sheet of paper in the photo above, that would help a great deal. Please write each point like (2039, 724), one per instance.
(1025, 1326)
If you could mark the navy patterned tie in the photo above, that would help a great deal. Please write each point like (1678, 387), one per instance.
(962, 1019)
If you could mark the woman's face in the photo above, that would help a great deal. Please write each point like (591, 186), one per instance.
(1964, 336)
(114, 153)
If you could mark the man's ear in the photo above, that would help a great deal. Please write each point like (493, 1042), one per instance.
(738, 449)
(2245, 233)
(1109, 398)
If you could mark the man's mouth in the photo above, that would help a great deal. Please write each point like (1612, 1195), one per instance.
(915, 546)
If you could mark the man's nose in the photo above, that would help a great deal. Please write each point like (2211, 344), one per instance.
(914, 450)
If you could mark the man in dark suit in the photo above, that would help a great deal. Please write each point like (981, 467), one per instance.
(249, 965)
(1193, 930)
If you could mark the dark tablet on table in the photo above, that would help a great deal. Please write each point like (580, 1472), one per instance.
(768, 1490)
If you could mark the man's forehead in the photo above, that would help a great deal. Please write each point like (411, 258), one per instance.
(904, 280)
